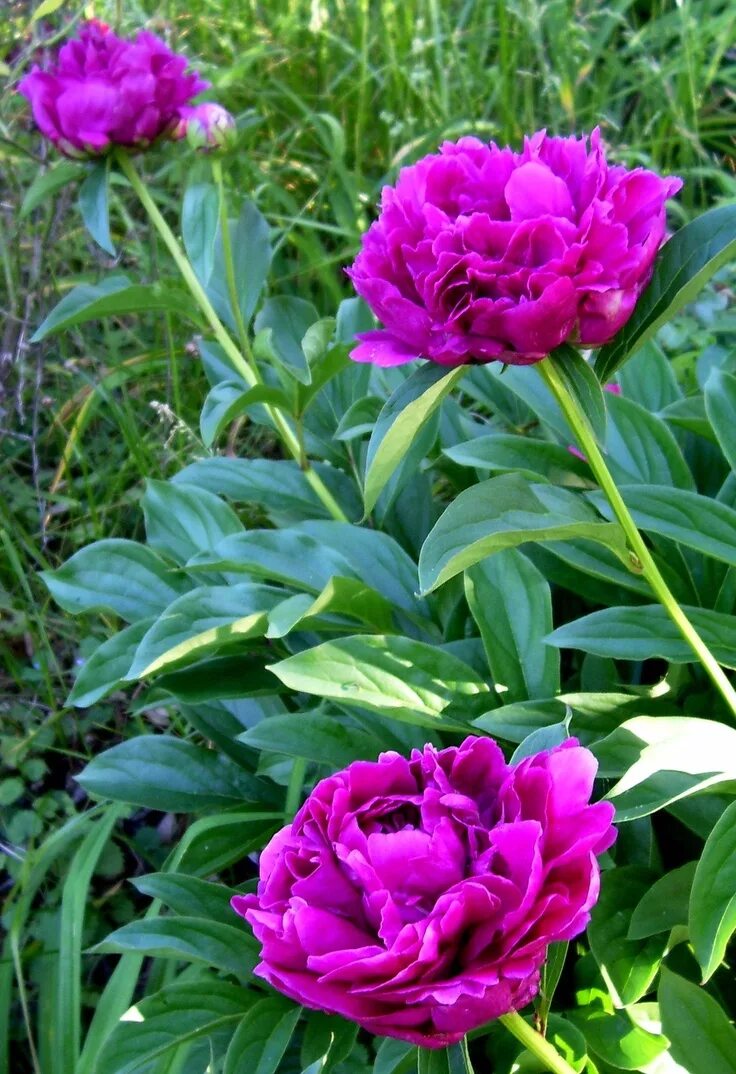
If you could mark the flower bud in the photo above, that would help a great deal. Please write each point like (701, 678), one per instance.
(207, 127)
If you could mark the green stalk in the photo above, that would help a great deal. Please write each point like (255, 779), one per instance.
(535, 1043)
(586, 440)
(237, 360)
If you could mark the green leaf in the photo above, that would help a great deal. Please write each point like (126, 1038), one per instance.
(227, 401)
(201, 623)
(584, 386)
(107, 667)
(288, 319)
(646, 631)
(169, 774)
(511, 603)
(262, 1037)
(277, 485)
(393, 676)
(328, 1039)
(702, 1039)
(641, 449)
(116, 575)
(182, 521)
(649, 379)
(224, 677)
(189, 895)
(712, 918)
(504, 452)
(692, 520)
(628, 966)
(340, 596)
(199, 215)
(665, 905)
(685, 264)
(163, 1022)
(114, 297)
(46, 8)
(615, 1037)
(402, 418)
(252, 255)
(504, 512)
(94, 205)
(192, 939)
(315, 736)
(720, 406)
(450, 1060)
(45, 184)
(664, 758)
(395, 1057)
(287, 556)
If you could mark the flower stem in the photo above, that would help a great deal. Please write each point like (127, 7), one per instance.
(238, 360)
(535, 1043)
(581, 428)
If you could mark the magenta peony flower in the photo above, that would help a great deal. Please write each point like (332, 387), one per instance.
(480, 253)
(104, 91)
(417, 897)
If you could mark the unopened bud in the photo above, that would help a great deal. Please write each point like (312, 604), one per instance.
(207, 127)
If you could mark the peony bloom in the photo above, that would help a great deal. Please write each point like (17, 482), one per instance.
(418, 897)
(104, 91)
(206, 127)
(480, 253)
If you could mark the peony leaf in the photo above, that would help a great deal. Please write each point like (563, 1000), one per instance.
(287, 319)
(202, 623)
(685, 264)
(46, 183)
(720, 406)
(116, 575)
(501, 452)
(188, 895)
(394, 676)
(585, 388)
(94, 205)
(641, 449)
(169, 1020)
(405, 414)
(277, 485)
(181, 520)
(199, 214)
(511, 603)
(712, 917)
(505, 512)
(646, 631)
(662, 759)
(664, 906)
(628, 966)
(193, 939)
(701, 1037)
(113, 297)
(108, 665)
(262, 1037)
(228, 400)
(316, 736)
(170, 774)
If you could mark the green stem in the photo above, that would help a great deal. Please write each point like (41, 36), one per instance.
(586, 440)
(237, 360)
(535, 1043)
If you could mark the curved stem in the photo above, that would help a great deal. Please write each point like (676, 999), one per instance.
(579, 424)
(236, 358)
(536, 1043)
